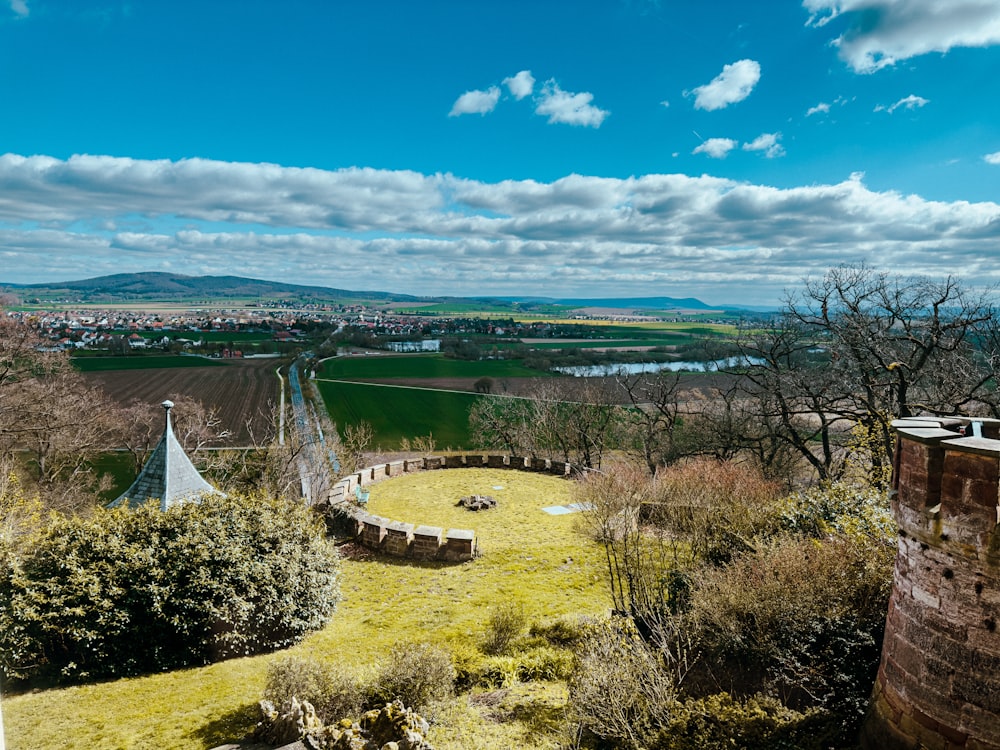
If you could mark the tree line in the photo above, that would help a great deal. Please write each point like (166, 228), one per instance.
(813, 392)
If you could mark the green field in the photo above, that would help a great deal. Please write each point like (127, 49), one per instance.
(142, 362)
(396, 412)
(409, 366)
(119, 466)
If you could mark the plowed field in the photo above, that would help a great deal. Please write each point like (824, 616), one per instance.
(242, 392)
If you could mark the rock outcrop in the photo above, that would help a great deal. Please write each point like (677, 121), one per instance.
(295, 725)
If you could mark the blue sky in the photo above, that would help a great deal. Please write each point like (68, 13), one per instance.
(723, 150)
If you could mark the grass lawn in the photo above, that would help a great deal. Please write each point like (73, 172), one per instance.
(142, 362)
(383, 366)
(528, 557)
(120, 466)
(397, 412)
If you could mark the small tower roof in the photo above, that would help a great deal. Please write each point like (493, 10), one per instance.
(168, 476)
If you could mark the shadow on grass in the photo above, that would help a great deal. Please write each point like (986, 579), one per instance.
(234, 726)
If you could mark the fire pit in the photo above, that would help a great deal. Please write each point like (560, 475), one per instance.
(478, 502)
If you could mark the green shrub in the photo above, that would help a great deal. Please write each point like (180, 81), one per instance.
(505, 625)
(126, 592)
(333, 691)
(542, 663)
(717, 722)
(620, 690)
(417, 674)
(470, 665)
(839, 508)
(803, 618)
(561, 632)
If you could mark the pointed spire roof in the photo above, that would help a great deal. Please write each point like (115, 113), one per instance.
(168, 476)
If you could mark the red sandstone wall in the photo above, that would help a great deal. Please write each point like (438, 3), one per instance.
(939, 680)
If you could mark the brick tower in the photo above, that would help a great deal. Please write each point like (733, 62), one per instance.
(939, 679)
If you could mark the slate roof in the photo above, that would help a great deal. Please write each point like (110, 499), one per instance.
(168, 476)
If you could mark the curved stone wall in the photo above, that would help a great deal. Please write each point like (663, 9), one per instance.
(420, 541)
(939, 679)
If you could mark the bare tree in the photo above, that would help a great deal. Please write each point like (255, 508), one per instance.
(502, 423)
(652, 422)
(655, 529)
(52, 425)
(358, 438)
(861, 348)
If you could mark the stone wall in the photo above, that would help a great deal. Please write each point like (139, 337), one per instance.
(938, 683)
(424, 542)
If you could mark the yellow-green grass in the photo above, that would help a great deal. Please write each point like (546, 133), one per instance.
(528, 557)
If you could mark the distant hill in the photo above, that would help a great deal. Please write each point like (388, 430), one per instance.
(156, 285)
(652, 304)
(641, 303)
(159, 286)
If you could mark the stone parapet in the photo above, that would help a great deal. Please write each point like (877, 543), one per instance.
(539, 464)
(398, 536)
(373, 531)
(461, 544)
(424, 542)
(427, 542)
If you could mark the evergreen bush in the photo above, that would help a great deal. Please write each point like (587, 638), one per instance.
(718, 722)
(127, 592)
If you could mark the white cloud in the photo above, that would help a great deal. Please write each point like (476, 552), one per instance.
(883, 32)
(909, 102)
(439, 234)
(476, 102)
(821, 107)
(732, 85)
(569, 108)
(520, 85)
(993, 158)
(717, 148)
(768, 143)
(20, 8)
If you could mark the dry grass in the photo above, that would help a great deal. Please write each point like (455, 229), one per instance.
(529, 558)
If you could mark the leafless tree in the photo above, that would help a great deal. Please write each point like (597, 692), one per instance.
(52, 425)
(358, 438)
(652, 422)
(861, 348)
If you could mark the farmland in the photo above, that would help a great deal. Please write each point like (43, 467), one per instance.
(398, 412)
(243, 392)
(431, 366)
(141, 362)
(406, 396)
